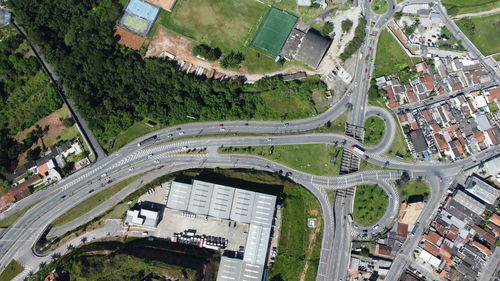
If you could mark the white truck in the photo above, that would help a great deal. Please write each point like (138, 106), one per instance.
(358, 149)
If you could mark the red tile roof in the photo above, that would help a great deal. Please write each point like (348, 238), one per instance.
(427, 115)
(403, 117)
(459, 147)
(495, 219)
(402, 230)
(494, 95)
(433, 250)
(428, 81)
(414, 125)
(434, 238)
(435, 127)
(494, 139)
(22, 190)
(482, 248)
(479, 136)
(441, 142)
(382, 250)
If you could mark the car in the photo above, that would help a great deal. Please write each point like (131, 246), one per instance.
(181, 133)
(246, 124)
(130, 169)
(269, 139)
(184, 148)
(222, 129)
(178, 129)
(221, 125)
(150, 155)
(109, 182)
(156, 161)
(90, 191)
(286, 124)
(64, 196)
(370, 48)
(366, 70)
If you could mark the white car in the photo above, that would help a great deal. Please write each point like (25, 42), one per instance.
(156, 161)
(130, 169)
(181, 133)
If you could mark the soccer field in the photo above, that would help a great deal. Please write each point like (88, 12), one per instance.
(274, 31)
(135, 24)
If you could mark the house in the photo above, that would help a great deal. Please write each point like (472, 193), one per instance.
(313, 48)
(142, 217)
(382, 250)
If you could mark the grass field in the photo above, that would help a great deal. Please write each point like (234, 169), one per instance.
(390, 57)
(379, 6)
(93, 201)
(309, 158)
(370, 203)
(413, 187)
(482, 37)
(274, 31)
(140, 128)
(456, 7)
(374, 131)
(226, 24)
(135, 24)
(399, 147)
(11, 271)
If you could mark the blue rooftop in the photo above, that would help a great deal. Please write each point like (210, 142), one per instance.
(142, 9)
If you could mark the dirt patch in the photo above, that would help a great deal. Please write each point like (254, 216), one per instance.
(164, 4)
(165, 43)
(319, 101)
(310, 244)
(50, 136)
(129, 39)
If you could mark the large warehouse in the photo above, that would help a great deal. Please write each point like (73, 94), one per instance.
(239, 205)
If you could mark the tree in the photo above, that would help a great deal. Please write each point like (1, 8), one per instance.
(398, 15)
(327, 28)
(346, 25)
(232, 60)
(68, 122)
(33, 154)
(207, 52)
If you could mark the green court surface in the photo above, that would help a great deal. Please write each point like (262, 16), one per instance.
(135, 24)
(274, 31)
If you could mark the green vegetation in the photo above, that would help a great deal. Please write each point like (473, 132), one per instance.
(207, 52)
(298, 245)
(115, 88)
(370, 203)
(448, 41)
(379, 6)
(327, 28)
(232, 60)
(228, 25)
(306, 14)
(135, 260)
(392, 59)
(92, 202)
(374, 130)
(409, 30)
(480, 29)
(310, 158)
(140, 128)
(496, 57)
(455, 7)
(335, 127)
(399, 147)
(26, 95)
(493, 107)
(346, 25)
(355, 43)
(274, 30)
(409, 188)
(11, 271)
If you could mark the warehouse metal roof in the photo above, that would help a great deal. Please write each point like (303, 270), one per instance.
(257, 244)
(201, 195)
(241, 210)
(263, 209)
(222, 200)
(238, 270)
(178, 198)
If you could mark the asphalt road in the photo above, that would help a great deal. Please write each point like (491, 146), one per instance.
(59, 198)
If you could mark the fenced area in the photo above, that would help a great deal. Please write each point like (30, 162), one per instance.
(139, 17)
(274, 30)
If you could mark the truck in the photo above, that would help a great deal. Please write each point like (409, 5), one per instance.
(358, 149)
(148, 141)
(415, 228)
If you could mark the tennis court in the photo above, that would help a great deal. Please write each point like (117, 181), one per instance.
(274, 31)
(135, 24)
(139, 17)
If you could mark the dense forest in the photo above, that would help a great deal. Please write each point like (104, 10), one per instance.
(114, 86)
(26, 95)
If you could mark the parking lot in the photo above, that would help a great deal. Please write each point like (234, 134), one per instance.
(177, 221)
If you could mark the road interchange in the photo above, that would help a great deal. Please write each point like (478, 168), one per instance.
(334, 259)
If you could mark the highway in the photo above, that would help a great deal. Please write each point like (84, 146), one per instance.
(53, 201)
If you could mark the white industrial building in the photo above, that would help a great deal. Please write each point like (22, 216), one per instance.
(141, 217)
(239, 205)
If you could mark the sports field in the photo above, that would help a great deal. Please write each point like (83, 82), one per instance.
(274, 31)
(135, 24)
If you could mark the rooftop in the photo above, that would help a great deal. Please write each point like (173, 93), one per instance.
(312, 49)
